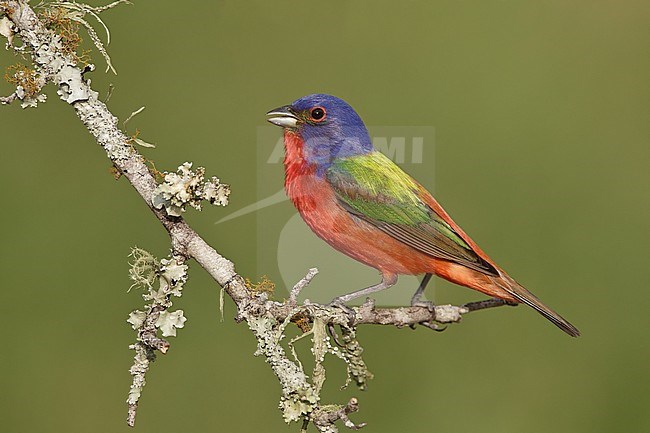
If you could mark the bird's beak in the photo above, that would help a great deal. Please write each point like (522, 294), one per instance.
(283, 117)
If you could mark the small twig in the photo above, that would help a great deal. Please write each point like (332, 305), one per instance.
(132, 413)
(100, 9)
(111, 88)
(488, 303)
(161, 279)
(151, 340)
(132, 115)
(147, 335)
(304, 282)
(325, 417)
(143, 356)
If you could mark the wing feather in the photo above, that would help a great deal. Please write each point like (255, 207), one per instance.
(371, 187)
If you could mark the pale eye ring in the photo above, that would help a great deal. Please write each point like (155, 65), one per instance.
(317, 114)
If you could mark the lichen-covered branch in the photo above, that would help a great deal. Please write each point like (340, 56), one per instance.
(54, 62)
(299, 397)
(304, 282)
(325, 417)
(160, 280)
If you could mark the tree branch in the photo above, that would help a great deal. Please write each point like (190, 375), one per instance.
(266, 318)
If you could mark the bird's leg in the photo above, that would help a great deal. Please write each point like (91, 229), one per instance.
(387, 280)
(416, 300)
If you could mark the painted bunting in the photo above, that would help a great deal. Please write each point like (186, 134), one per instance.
(364, 205)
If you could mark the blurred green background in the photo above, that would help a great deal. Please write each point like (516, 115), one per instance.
(541, 114)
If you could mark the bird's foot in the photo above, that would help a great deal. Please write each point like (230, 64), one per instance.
(417, 301)
(433, 326)
(422, 303)
(339, 303)
(332, 332)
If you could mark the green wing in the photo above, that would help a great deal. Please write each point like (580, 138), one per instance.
(374, 189)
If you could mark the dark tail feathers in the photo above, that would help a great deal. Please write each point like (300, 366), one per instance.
(523, 295)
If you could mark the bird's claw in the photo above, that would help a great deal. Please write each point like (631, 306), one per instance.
(433, 326)
(426, 304)
(338, 303)
(417, 302)
(334, 335)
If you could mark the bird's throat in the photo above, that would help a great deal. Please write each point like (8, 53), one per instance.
(296, 168)
(294, 160)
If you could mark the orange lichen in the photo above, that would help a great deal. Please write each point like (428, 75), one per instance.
(6, 9)
(21, 75)
(153, 170)
(264, 285)
(115, 172)
(57, 20)
(302, 321)
(131, 139)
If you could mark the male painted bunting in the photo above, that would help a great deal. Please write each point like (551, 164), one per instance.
(362, 204)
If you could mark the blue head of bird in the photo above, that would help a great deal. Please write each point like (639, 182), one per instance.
(329, 128)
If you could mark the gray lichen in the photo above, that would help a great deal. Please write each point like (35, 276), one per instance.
(77, 11)
(187, 187)
(168, 322)
(143, 357)
(352, 351)
(299, 398)
(160, 280)
(72, 87)
(170, 274)
(136, 319)
(325, 417)
(7, 30)
(143, 270)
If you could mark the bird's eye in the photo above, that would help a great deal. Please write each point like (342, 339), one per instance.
(317, 114)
